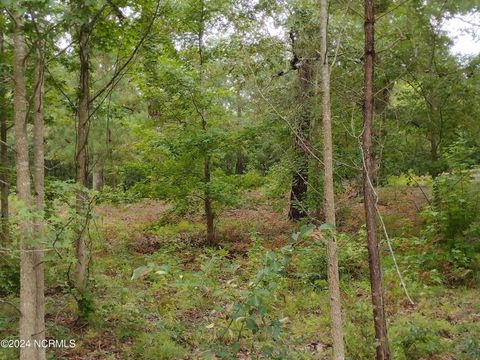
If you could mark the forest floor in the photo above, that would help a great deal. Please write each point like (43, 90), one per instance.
(183, 310)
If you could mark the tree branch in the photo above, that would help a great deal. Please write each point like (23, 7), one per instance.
(132, 55)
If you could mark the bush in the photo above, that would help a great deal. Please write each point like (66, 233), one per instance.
(311, 265)
(453, 223)
(456, 207)
(311, 262)
(422, 339)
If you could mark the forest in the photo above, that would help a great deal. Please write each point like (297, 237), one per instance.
(239, 179)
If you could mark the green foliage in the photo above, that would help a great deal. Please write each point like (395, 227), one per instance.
(311, 261)
(9, 275)
(311, 266)
(114, 196)
(456, 205)
(215, 82)
(409, 179)
(358, 338)
(254, 312)
(422, 339)
(469, 349)
(86, 305)
(157, 345)
(461, 155)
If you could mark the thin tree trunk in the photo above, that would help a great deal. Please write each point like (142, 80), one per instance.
(39, 188)
(433, 147)
(239, 165)
(329, 199)
(81, 156)
(209, 213)
(3, 155)
(28, 287)
(381, 340)
(299, 188)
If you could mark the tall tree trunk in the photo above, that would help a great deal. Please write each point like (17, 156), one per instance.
(381, 340)
(239, 163)
(329, 199)
(39, 189)
(3, 154)
(28, 288)
(209, 214)
(299, 188)
(239, 166)
(81, 155)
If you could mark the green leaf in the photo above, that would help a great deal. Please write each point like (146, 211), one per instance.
(326, 227)
(163, 270)
(141, 271)
(254, 301)
(235, 347)
(306, 230)
(275, 329)
(251, 325)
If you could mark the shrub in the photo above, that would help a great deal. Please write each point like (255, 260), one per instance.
(311, 261)
(422, 339)
(456, 207)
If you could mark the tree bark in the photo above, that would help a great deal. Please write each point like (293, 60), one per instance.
(329, 197)
(381, 340)
(39, 189)
(81, 154)
(209, 213)
(28, 258)
(3, 155)
(239, 165)
(299, 182)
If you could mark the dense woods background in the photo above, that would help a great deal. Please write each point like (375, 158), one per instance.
(217, 179)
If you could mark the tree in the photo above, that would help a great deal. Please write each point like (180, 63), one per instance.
(83, 112)
(381, 340)
(328, 190)
(207, 200)
(31, 268)
(39, 191)
(187, 88)
(304, 64)
(299, 188)
(4, 186)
